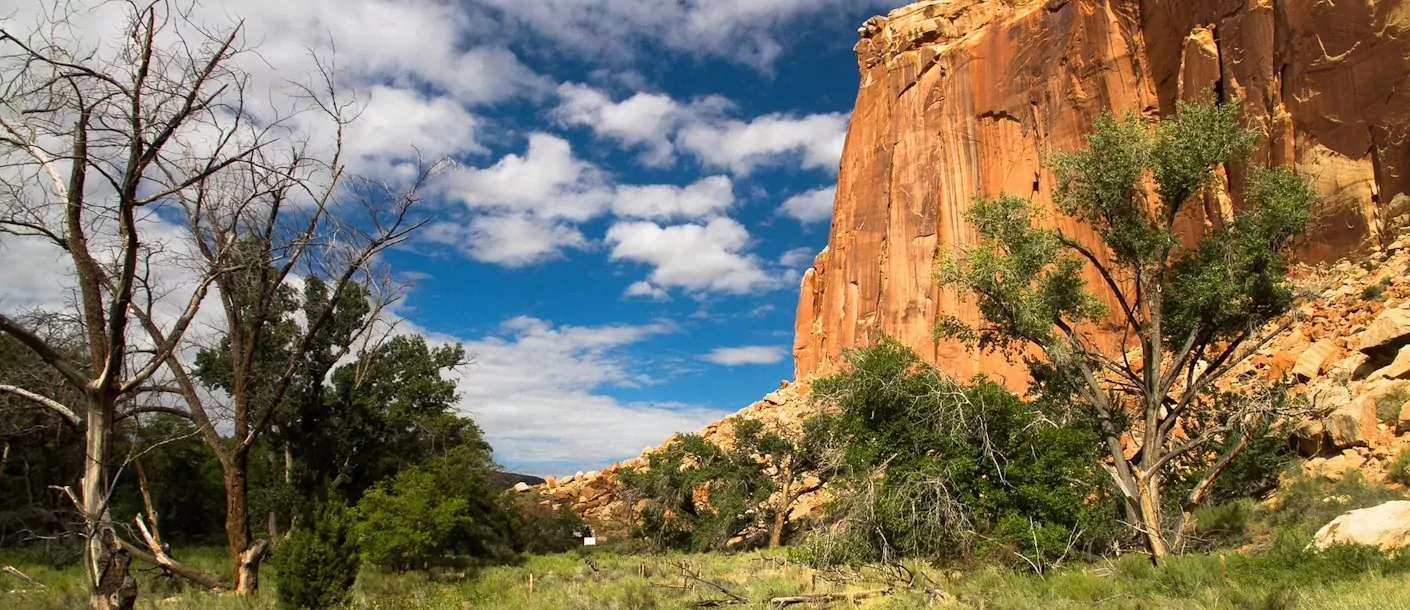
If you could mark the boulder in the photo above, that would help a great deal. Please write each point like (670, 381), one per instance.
(1309, 438)
(1403, 424)
(1386, 527)
(1315, 359)
(1353, 425)
(1387, 333)
(1397, 369)
(521, 487)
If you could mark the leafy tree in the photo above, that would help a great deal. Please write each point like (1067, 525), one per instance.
(1192, 313)
(391, 408)
(932, 467)
(318, 563)
(425, 512)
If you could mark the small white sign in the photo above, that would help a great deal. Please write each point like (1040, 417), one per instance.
(590, 541)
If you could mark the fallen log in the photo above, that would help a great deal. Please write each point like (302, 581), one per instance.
(9, 569)
(829, 597)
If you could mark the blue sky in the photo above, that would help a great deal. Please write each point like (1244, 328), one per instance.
(639, 187)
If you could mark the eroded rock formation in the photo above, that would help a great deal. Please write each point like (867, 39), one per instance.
(963, 98)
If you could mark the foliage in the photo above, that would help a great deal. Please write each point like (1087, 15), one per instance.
(1193, 311)
(934, 468)
(1306, 503)
(317, 565)
(426, 512)
(541, 528)
(1372, 292)
(1399, 469)
(698, 493)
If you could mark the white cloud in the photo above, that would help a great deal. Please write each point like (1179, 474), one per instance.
(644, 120)
(707, 197)
(401, 124)
(548, 181)
(514, 240)
(812, 206)
(814, 141)
(798, 257)
(746, 355)
(535, 391)
(697, 257)
(646, 290)
(703, 129)
(744, 31)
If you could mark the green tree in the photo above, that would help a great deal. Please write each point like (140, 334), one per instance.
(1192, 313)
(425, 512)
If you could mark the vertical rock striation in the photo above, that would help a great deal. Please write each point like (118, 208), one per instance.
(963, 98)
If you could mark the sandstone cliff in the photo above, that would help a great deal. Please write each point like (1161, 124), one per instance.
(963, 98)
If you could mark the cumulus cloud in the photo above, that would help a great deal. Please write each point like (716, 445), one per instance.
(548, 180)
(643, 120)
(703, 128)
(707, 197)
(645, 290)
(813, 141)
(709, 257)
(746, 32)
(538, 392)
(812, 206)
(511, 240)
(747, 355)
(797, 257)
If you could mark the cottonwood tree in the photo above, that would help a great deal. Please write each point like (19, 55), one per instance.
(1189, 314)
(95, 142)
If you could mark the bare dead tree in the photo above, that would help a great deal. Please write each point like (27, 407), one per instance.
(95, 141)
(287, 215)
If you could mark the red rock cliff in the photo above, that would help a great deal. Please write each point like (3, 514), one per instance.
(962, 98)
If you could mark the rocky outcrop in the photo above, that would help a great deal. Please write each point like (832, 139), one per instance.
(597, 497)
(1386, 527)
(963, 98)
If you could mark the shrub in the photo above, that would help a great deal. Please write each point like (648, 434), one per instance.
(940, 469)
(1372, 292)
(1230, 523)
(540, 528)
(1399, 470)
(1307, 503)
(426, 512)
(316, 565)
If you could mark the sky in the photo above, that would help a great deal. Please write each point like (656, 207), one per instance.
(638, 188)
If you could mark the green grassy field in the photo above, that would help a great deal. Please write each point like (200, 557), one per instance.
(605, 580)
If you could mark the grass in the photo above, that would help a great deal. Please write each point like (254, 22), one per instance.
(1285, 576)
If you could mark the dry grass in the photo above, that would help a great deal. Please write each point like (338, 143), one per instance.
(606, 581)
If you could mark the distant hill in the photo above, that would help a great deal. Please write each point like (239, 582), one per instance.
(510, 479)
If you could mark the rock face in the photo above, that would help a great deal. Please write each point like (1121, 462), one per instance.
(1386, 526)
(963, 98)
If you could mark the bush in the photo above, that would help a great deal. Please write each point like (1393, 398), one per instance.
(541, 529)
(429, 511)
(939, 469)
(1230, 523)
(1372, 292)
(1399, 470)
(1307, 503)
(316, 565)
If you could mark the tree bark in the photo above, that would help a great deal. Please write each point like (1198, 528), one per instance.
(1151, 528)
(784, 499)
(107, 564)
(237, 520)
